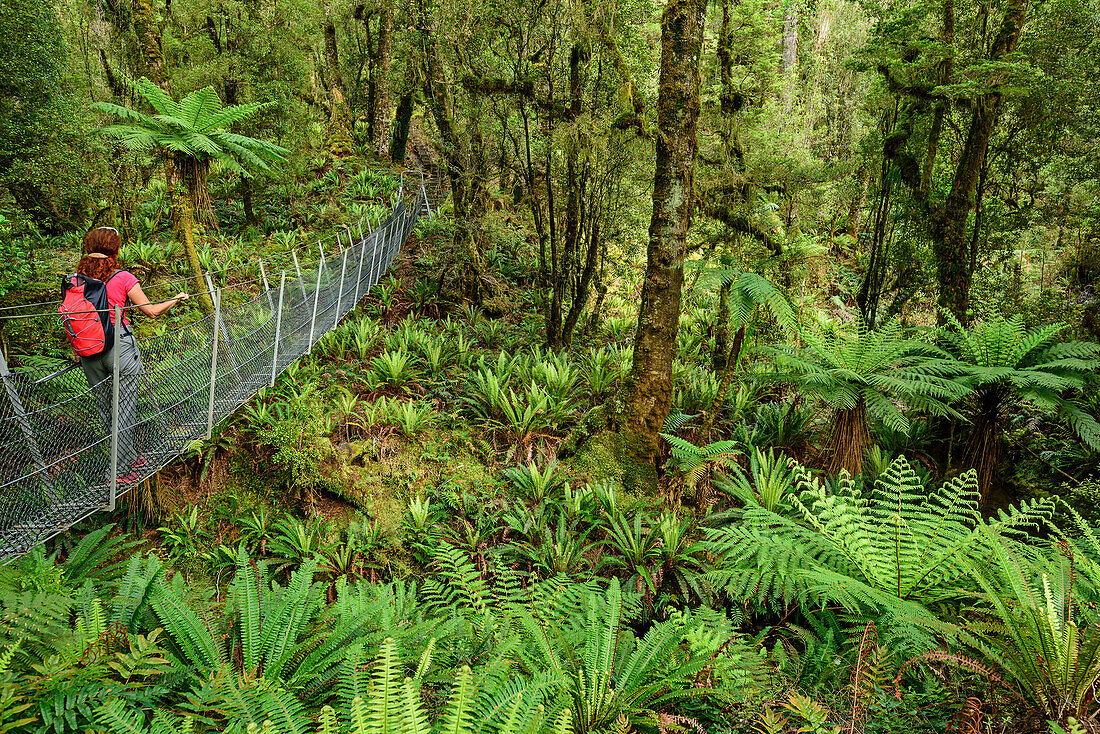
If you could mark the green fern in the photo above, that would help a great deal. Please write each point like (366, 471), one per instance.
(893, 553)
(693, 461)
(1039, 639)
(864, 374)
(194, 641)
(134, 589)
(1002, 359)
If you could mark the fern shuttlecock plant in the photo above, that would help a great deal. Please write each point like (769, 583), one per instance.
(192, 134)
(894, 552)
(610, 675)
(768, 483)
(1030, 631)
(1002, 360)
(864, 374)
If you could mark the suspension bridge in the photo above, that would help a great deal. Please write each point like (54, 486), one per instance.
(60, 438)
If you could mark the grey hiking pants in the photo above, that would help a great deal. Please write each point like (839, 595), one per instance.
(99, 370)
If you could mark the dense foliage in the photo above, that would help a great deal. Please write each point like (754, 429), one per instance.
(744, 378)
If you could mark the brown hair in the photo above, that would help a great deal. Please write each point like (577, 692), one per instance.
(103, 241)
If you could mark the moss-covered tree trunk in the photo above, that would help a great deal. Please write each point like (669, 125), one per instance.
(380, 104)
(437, 91)
(949, 222)
(648, 392)
(338, 134)
(186, 218)
(147, 28)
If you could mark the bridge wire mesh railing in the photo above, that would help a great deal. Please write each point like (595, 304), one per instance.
(57, 432)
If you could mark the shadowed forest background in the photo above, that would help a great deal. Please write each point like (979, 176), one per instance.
(743, 380)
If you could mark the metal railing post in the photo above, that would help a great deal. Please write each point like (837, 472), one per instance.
(389, 238)
(278, 331)
(267, 287)
(340, 292)
(112, 478)
(25, 425)
(316, 298)
(359, 272)
(301, 281)
(375, 258)
(209, 284)
(214, 364)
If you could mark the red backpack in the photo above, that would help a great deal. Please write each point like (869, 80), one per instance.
(85, 314)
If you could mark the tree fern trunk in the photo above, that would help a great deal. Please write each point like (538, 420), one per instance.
(848, 440)
(185, 217)
(983, 451)
(720, 356)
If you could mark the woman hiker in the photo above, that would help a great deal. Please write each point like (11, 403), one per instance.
(100, 261)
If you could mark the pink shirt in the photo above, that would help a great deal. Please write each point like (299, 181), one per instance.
(118, 285)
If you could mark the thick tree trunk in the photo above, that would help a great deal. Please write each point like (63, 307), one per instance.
(332, 54)
(338, 134)
(725, 62)
(789, 59)
(401, 122)
(950, 243)
(648, 393)
(149, 38)
(380, 109)
(439, 100)
(946, 69)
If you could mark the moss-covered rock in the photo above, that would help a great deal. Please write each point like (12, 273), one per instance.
(597, 459)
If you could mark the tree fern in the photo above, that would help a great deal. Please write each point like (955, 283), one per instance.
(879, 374)
(892, 552)
(1002, 360)
(195, 127)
